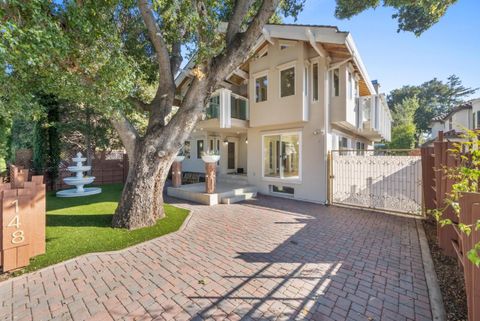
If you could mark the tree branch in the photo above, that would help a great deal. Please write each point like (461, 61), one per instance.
(217, 69)
(238, 15)
(176, 57)
(155, 35)
(140, 105)
(128, 135)
(236, 51)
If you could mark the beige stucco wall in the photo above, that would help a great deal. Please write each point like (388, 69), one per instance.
(461, 120)
(284, 109)
(342, 107)
(286, 117)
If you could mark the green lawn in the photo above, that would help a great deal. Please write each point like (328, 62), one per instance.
(76, 226)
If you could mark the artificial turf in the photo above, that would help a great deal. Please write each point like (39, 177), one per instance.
(80, 225)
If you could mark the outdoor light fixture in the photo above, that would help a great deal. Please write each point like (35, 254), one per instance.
(246, 140)
(225, 141)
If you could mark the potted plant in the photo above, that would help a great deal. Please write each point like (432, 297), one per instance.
(210, 156)
(180, 157)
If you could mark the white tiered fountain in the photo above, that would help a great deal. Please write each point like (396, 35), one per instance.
(79, 180)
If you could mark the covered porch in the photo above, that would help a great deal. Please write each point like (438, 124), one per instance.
(229, 189)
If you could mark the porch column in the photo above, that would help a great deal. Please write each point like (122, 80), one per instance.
(176, 174)
(210, 177)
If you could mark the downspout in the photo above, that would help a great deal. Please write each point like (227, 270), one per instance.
(326, 125)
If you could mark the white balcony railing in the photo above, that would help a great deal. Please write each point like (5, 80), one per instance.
(373, 117)
(225, 105)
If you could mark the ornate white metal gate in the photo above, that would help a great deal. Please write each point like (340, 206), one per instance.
(386, 180)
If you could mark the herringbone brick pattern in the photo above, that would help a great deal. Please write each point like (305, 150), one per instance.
(268, 259)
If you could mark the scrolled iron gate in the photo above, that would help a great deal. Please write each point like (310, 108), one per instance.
(385, 180)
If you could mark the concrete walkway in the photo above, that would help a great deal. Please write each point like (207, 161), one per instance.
(269, 259)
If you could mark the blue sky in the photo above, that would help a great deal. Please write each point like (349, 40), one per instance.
(452, 46)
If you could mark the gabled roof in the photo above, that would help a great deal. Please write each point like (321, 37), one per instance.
(325, 39)
(339, 44)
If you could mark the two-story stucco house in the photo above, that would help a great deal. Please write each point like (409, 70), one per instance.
(460, 118)
(303, 91)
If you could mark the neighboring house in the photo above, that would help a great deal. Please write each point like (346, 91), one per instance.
(302, 92)
(465, 116)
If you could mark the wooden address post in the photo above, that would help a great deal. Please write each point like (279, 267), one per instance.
(22, 217)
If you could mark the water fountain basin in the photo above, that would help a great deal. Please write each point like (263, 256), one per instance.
(79, 159)
(76, 169)
(77, 181)
(73, 192)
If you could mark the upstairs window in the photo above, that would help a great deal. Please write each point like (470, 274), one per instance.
(450, 124)
(478, 119)
(336, 82)
(315, 82)
(305, 82)
(473, 121)
(350, 85)
(287, 82)
(261, 85)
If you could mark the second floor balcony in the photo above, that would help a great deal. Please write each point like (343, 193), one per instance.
(373, 117)
(226, 110)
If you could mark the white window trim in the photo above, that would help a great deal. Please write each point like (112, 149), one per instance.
(280, 69)
(280, 194)
(296, 180)
(257, 75)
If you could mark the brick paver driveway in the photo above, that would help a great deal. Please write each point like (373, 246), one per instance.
(270, 259)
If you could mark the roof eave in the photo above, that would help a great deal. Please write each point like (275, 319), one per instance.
(358, 61)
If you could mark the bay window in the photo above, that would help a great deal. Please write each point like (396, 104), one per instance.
(282, 155)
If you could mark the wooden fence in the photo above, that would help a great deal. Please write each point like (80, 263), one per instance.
(22, 217)
(437, 185)
(107, 168)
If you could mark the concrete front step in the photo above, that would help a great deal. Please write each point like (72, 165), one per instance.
(238, 198)
(196, 193)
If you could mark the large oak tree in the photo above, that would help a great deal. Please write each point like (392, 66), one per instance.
(122, 58)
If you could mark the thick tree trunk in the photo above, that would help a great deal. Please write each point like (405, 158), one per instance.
(151, 157)
(141, 203)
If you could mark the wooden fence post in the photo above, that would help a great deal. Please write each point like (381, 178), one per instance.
(428, 177)
(469, 214)
(443, 158)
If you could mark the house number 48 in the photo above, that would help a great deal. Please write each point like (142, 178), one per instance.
(18, 236)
